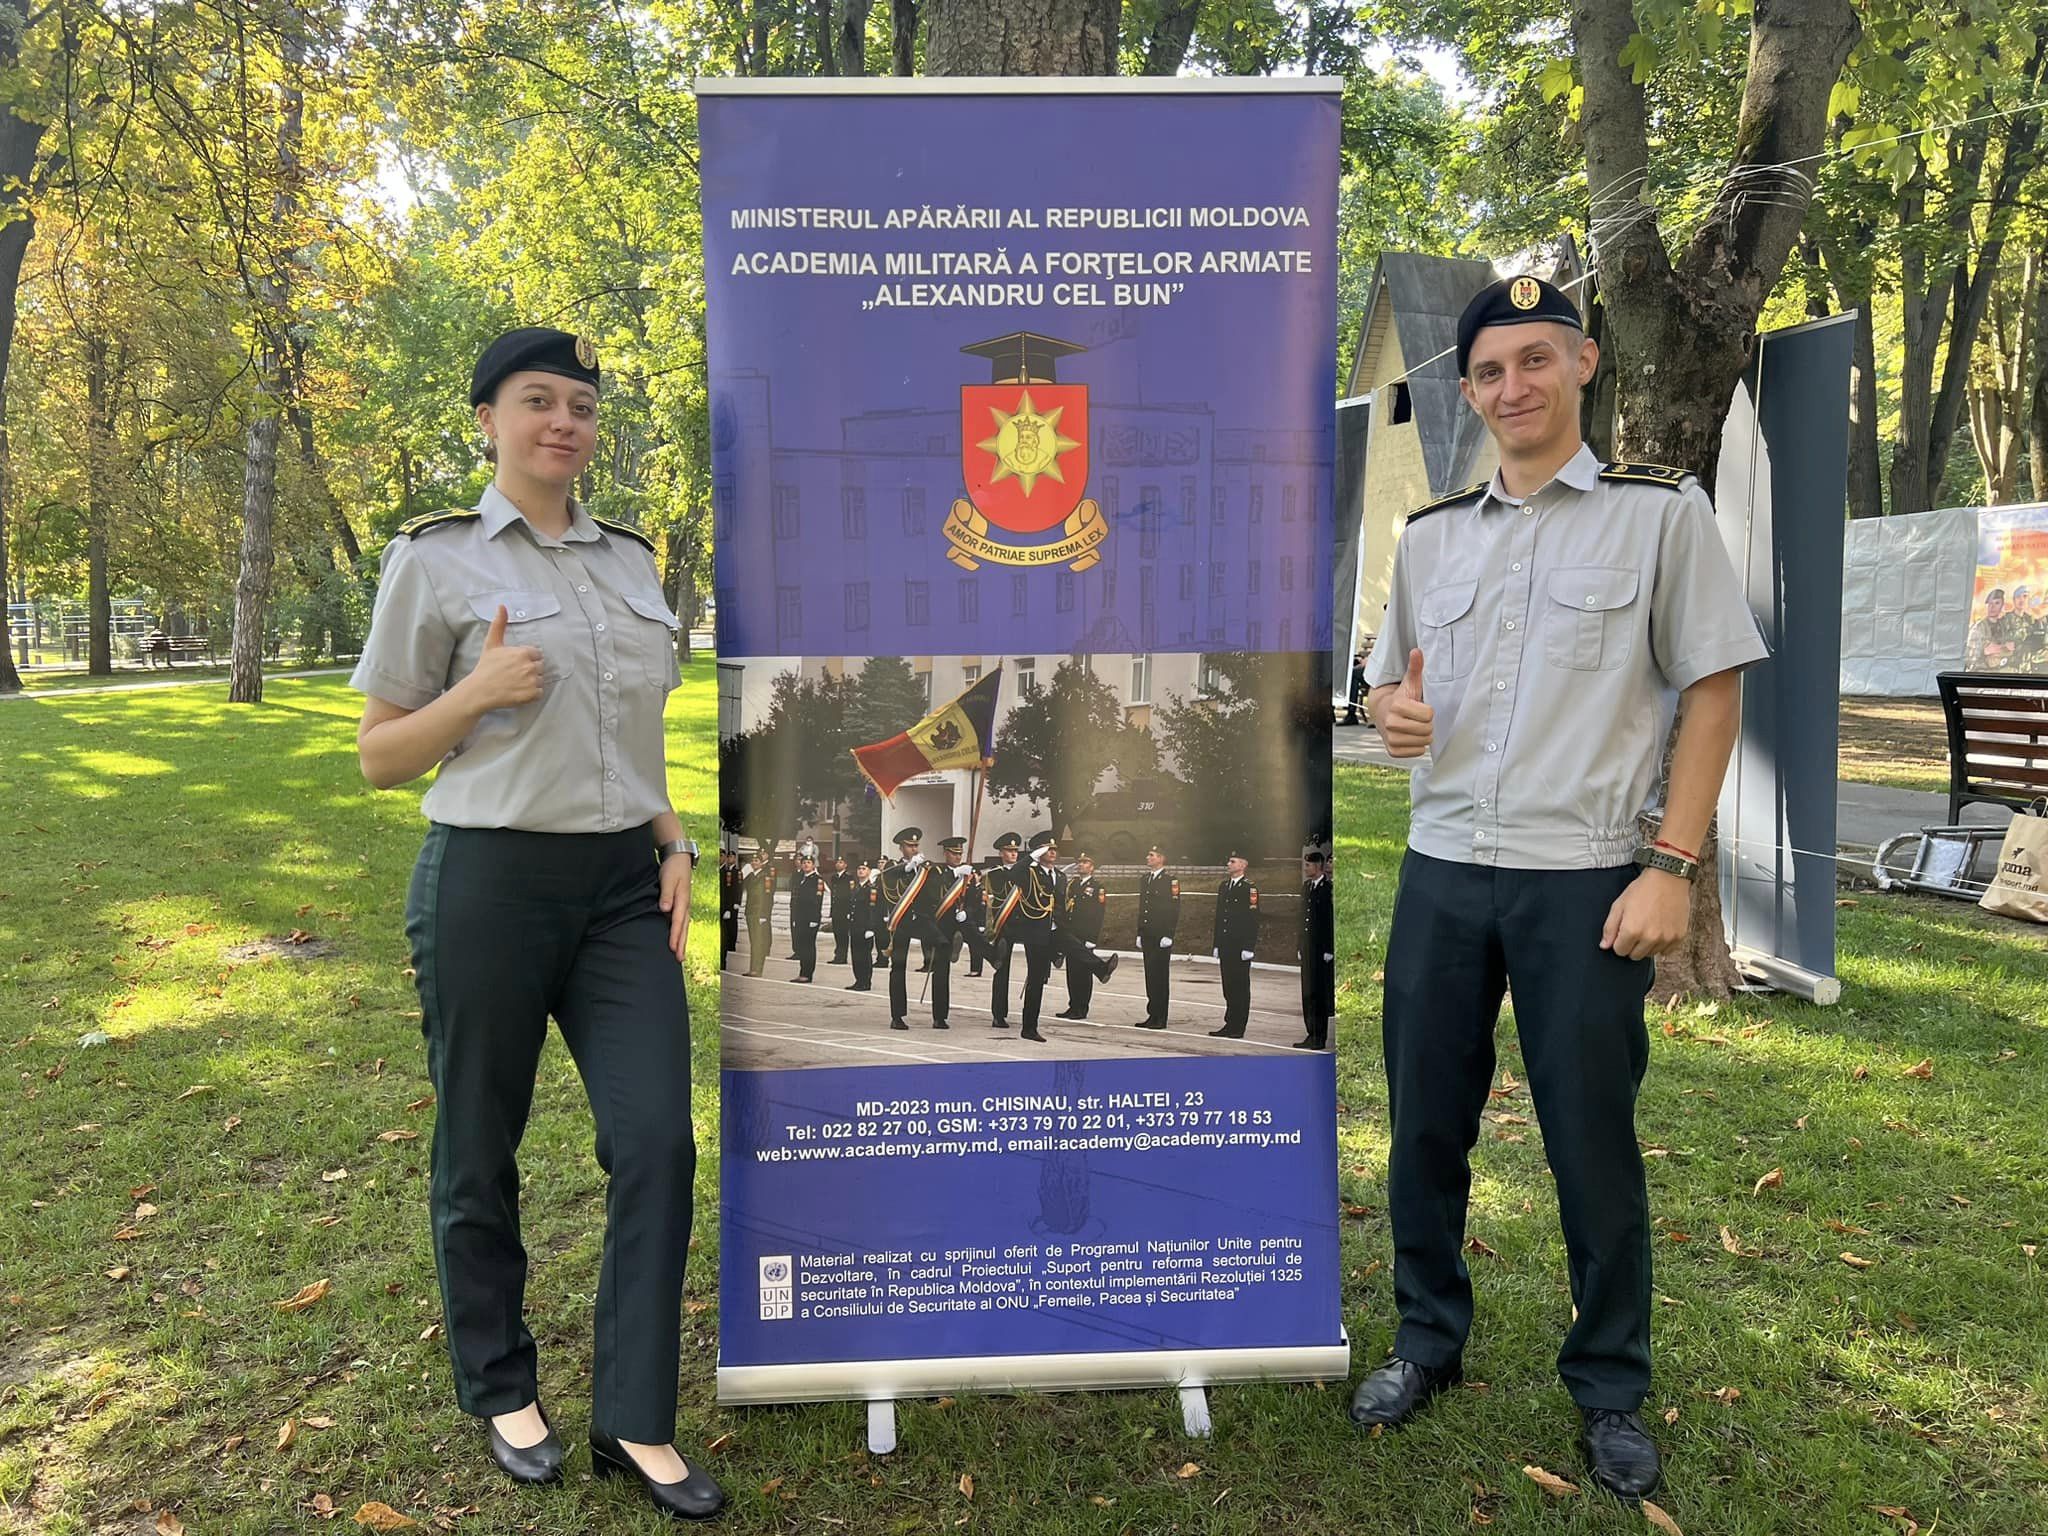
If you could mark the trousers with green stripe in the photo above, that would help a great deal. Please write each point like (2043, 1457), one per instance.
(508, 929)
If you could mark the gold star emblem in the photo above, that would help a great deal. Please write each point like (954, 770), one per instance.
(1027, 444)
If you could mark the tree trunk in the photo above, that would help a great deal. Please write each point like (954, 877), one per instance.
(1171, 34)
(1683, 332)
(1025, 37)
(818, 30)
(850, 43)
(1852, 278)
(99, 512)
(2037, 393)
(903, 36)
(273, 373)
(20, 137)
(1998, 395)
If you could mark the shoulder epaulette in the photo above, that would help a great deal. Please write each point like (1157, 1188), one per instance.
(1448, 501)
(1646, 474)
(626, 529)
(430, 520)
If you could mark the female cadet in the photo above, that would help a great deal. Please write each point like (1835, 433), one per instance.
(525, 648)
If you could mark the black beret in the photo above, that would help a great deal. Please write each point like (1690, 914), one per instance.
(532, 349)
(1513, 301)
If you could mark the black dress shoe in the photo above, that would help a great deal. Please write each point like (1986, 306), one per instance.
(1066, 1013)
(898, 1024)
(940, 1024)
(1620, 1451)
(1398, 1390)
(696, 1497)
(1109, 964)
(1033, 1034)
(1150, 1024)
(998, 1023)
(539, 1463)
(1228, 1032)
(804, 979)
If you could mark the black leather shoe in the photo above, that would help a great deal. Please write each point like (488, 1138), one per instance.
(805, 980)
(1228, 1032)
(998, 1023)
(1150, 1024)
(1620, 1451)
(539, 1463)
(898, 1024)
(1398, 1390)
(1033, 1034)
(1066, 1013)
(940, 1024)
(1109, 965)
(696, 1497)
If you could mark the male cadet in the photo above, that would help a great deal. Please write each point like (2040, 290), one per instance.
(1086, 906)
(840, 883)
(1316, 951)
(1990, 644)
(757, 882)
(728, 904)
(1040, 892)
(909, 893)
(952, 916)
(1535, 631)
(1158, 916)
(1237, 936)
(1005, 882)
(806, 914)
(860, 933)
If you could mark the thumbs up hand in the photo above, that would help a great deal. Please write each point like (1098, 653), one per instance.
(1407, 725)
(505, 675)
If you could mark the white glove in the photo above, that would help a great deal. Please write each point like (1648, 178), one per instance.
(1166, 943)
(1329, 957)
(1218, 953)
(1089, 947)
(959, 917)
(1244, 954)
(814, 925)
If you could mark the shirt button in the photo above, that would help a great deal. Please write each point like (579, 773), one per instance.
(1478, 837)
(519, 613)
(1528, 511)
(1491, 747)
(1482, 804)
(600, 628)
(1589, 599)
(1509, 625)
(1499, 686)
(580, 587)
(608, 773)
(607, 677)
(1516, 566)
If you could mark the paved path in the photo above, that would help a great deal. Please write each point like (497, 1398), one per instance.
(1866, 815)
(168, 682)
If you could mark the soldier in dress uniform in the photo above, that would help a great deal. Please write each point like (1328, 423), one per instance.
(1087, 904)
(840, 883)
(523, 650)
(1237, 936)
(1158, 917)
(1536, 630)
(909, 893)
(955, 925)
(1004, 881)
(1315, 951)
(728, 904)
(757, 886)
(1041, 893)
(806, 914)
(973, 932)
(860, 932)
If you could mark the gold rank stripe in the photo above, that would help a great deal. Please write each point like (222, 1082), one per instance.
(1644, 474)
(903, 906)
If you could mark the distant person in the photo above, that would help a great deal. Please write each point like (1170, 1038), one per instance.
(1991, 643)
(1158, 917)
(2027, 638)
(156, 643)
(1537, 627)
(1236, 940)
(1315, 950)
(806, 914)
(840, 883)
(523, 649)
(729, 893)
(1357, 695)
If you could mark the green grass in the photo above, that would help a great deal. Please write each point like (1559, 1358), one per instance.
(150, 833)
(126, 673)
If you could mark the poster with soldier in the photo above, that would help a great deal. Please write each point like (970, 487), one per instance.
(2009, 608)
(1021, 503)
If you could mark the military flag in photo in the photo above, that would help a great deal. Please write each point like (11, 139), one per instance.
(958, 734)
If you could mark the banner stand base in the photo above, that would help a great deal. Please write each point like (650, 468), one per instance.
(882, 1426)
(1194, 1412)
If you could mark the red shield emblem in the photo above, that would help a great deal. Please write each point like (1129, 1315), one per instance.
(1024, 452)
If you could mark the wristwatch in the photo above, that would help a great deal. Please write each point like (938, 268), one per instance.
(664, 851)
(1670, 863)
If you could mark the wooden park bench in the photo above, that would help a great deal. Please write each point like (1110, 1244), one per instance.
(1997, 738)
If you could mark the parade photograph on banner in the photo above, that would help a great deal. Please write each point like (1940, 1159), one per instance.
(1121, 856)
(2009, 608)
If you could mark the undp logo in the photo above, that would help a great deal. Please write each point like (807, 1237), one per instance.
(775, 1271)
(778, 1296)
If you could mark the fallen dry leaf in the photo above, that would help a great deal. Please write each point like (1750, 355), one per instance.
(194, 1091)
(231, 1122)
(1855, 1262)
(168, 1524)
(323, 1506)
(719, 1444)
(143, 1212)
(398, 1135)
(419, 1104)
(1959, 1199)
(966, 1485)
(322, 1422)
(1847, 1228)
(430, 1332)
(120, 1272)
(334, 1176)
(127, 1234)
(1859, 1074)
(1189, 1469)
(1550, 1482)
(1679, 1237)
(1659, 1519)
(305, 1296)
(1727, 1395)
(1483, 1249)
(2029, 1249)
(141, 1190)
(233, 1443)
(771, 1485)
(382, 1517)
(1775, 1179)
(1728, 1242)
(1100, 1502)
(1671, 1414)
(287, 1432)
(1922, 1069)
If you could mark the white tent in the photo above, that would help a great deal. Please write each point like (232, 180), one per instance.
(1906, 589)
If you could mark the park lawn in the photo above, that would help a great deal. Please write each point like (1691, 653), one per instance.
(247, 1103)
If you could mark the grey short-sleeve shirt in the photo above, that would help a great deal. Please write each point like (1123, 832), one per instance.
(1555, 633)
(588, 754)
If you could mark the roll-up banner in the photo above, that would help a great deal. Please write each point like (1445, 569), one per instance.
(1022, 449)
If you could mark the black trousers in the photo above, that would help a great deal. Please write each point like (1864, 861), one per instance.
(1038, 950)
(1237, 989)
(974, 938)
(1157, 957)
(728, 935)
(863, 956)
(842, 927)
(1084, 969)
(803, 938)
(1318, 998)
(1461, 935)
(901, 950)
(1000, 948)
(506, 929)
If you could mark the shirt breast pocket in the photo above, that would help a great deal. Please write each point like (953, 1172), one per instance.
(1449, 642)
(654, 636)
(1589, 623)
(531, 618)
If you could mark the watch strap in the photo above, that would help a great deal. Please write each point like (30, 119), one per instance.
(664, 851)
(1650, 857)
